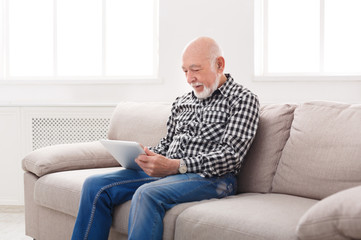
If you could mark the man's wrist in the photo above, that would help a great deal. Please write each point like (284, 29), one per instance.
(182, 167)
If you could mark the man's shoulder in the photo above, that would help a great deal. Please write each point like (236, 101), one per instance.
(235, 90)
(238, 91)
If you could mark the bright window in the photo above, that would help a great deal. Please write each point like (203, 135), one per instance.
(78, 39)
(308, 38)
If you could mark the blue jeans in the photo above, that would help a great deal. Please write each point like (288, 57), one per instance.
(151, 198)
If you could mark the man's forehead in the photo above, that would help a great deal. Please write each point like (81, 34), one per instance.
(192, 66)
(193, 61)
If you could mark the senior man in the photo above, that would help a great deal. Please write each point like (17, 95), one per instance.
(209, 132)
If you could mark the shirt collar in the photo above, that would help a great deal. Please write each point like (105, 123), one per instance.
(226, 88)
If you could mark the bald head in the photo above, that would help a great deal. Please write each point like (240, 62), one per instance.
(204, 47)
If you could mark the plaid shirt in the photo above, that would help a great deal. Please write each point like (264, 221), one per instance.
(213, 135)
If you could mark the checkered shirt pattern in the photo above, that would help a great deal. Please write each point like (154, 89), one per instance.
(213, 135)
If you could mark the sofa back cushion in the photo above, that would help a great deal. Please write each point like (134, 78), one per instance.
(323, 154)
(260, 164)
(145, 123)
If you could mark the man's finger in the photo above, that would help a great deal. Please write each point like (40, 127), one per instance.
(148, 152)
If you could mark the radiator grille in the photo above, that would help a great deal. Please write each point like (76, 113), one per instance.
(51, 131)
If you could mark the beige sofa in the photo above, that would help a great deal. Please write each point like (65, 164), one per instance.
(301, 178)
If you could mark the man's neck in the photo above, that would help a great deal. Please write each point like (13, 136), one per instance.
(222, 80)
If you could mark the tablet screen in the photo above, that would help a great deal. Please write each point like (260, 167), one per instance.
(125, 152)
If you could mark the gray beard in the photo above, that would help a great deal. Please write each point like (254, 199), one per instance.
(207, 92)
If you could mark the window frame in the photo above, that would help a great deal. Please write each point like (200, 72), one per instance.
(5, 79)
(3, 16)
(260, 69)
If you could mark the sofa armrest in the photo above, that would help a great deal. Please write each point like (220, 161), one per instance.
(65, 157)
(335, 217)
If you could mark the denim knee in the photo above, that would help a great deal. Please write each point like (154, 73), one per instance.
(145, 193)
(92, 187)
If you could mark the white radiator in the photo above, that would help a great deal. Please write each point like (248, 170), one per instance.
(50, 131)
(27, 128)
(46, 126)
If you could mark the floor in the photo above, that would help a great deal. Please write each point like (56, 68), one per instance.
(12, 223)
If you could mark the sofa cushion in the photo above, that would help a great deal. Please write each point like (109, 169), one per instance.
(121, 213)
(335, 217)
(245, 216)
(140, 122)
(261, 161)
(61, 192)
(65, 157)
(322, 155)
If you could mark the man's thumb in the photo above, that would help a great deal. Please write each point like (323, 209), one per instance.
(148, 152)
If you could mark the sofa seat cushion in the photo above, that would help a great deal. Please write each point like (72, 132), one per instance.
(121, 213)
(244, 216)
(61, 192)
(322, 155)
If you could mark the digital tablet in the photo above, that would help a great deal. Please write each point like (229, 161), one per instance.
(125, 152)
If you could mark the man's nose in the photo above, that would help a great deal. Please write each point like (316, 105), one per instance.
(190, 77)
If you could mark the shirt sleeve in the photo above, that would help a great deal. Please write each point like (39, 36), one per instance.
(228, 154)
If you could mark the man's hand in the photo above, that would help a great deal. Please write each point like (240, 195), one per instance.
(157, 165)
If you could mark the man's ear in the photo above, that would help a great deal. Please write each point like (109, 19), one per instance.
(220, 64)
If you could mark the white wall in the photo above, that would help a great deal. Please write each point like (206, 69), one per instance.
(230, 22)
